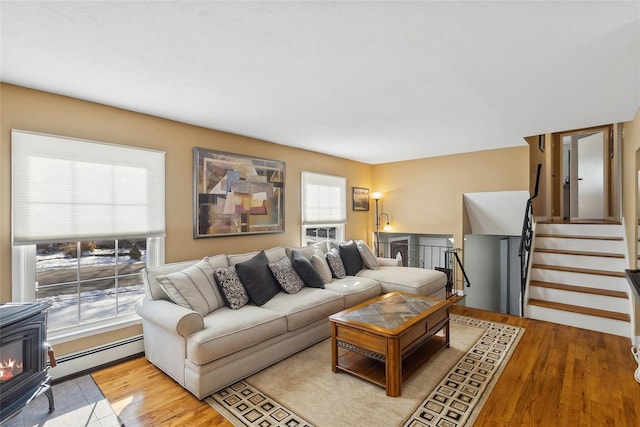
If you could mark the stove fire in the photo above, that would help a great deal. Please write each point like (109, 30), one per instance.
(10, 368)
(23, 353)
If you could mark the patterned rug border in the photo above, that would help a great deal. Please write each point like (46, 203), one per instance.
(455, 401)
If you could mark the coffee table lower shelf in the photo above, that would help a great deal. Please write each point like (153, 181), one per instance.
(374, 371)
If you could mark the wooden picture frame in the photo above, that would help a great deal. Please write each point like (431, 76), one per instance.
(236, 194)
(360, 199)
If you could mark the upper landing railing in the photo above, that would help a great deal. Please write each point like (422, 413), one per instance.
(441, 258)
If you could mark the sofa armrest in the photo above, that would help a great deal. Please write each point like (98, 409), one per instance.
(170, 316)
(389, 262)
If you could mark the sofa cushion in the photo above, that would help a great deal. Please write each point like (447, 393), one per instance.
(307, 251)
(217, 261)
(332, 244)
(321, 266)
(306, 307)
(306, 270)
(355, 289)
(193, 288)
(227, 331)
(257, 278)
(335, 264)
(368, 258)
(286, 276)
(351, 259)
(273, 255)
(413, 280)
(322, 246)
(231, 288)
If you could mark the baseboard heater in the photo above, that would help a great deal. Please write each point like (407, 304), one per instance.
(83, 362)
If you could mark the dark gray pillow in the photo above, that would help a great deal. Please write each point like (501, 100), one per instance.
(257, 279)
(351, 258)
(233, 292)
(306, 271)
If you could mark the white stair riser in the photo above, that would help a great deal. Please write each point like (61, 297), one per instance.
(600, 324)
(619, 305)
(609, 230)
(580, 261)
(585, 245)
(580, 279)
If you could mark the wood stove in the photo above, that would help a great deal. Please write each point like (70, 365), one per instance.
(23, 357)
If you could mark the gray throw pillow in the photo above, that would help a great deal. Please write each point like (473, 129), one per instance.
(335, 264)
(257, 279)
(231, 288)
(351, 258)
(286, 276)
(368, 258)
(306, 271)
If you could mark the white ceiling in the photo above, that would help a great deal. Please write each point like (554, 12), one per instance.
(369, 81)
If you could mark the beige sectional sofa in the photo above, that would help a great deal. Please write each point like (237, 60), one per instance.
(192, 333)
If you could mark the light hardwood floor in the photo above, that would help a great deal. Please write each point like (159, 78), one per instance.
(557, 376)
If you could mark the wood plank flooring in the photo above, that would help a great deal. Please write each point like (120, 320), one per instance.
(558, 376)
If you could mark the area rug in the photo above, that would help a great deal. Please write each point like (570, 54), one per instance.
(78, 402)
(449, 390)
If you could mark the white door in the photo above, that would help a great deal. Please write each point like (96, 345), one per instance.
(587, 176)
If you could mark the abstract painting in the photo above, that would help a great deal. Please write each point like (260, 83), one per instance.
(236, 194)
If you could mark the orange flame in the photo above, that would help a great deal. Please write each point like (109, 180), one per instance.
(10, 368)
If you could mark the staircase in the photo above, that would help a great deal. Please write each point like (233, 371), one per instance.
(577, 277)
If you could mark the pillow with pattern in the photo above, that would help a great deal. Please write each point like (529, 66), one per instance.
(286, 276)
(335, 264)
(232, 290)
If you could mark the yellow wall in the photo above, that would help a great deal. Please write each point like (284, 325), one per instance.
(421, 196)
(426, 195)
(32, 110)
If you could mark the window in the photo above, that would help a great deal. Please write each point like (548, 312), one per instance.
(89, 281)
(86, 218)
(324, 207)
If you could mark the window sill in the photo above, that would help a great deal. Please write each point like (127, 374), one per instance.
(84, 331)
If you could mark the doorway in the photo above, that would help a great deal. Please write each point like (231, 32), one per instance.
(585, 175)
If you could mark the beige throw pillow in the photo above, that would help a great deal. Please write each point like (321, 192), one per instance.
(193, 288)
(320, 264)
(368, 258)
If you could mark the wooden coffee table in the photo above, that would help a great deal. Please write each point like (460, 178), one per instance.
(389, 337)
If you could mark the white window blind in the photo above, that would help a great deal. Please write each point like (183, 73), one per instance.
(66, 189)
(324, 199)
